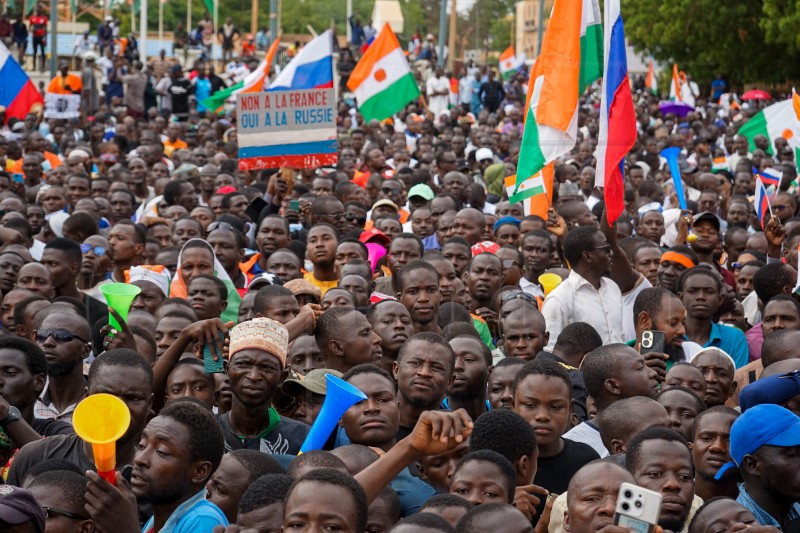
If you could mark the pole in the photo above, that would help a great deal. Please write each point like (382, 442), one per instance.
(53, 38)
(273, 18)
(133, 16)
(143, 31)
(451, 41)
(254, 17)
(216, 17)
(160, 24)
(349, 14)
(188, 29)
(540, 28)
(442, 31)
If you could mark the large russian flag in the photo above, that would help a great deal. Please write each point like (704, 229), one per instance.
(617, 133)
(17, 92)
(312, 68)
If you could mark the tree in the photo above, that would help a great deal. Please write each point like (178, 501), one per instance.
(707, 36)
(781, 24)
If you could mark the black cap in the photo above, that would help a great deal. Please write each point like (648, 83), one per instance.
(706, 215)
(18, 506)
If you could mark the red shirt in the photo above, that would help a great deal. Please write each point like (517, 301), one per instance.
(39, 25)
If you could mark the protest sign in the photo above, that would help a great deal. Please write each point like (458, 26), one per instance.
(62, 105)
(286, 129)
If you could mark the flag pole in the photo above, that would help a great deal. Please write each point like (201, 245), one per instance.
(143, 31)
(188, 30)
(160, 23)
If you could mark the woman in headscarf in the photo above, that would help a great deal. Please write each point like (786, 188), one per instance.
(197, 258)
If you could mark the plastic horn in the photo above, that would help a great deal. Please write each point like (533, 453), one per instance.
(340, 396)
(549, 281)
(120, 296)
(101, 420)
(671, 155)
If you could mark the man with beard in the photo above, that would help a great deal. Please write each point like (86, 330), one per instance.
(706, 226)
(257, 365)
(658, 309)
(65, 340)
(23, 367)
(586, 295)
(660, 460)
(470, 373)
(674, 262)
(764, 444)
(711, 450)
(423, 371)
(179, 451)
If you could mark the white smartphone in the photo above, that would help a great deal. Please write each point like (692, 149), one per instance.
(637, 508)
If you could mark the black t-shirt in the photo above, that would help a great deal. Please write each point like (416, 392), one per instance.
(96, 310)
(48, 427)
(554, 473)
(179, 93)
(287, 437)
(69, 447)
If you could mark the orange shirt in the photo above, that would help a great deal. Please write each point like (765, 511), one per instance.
(16, 167)
(71, 85)
(170, 147)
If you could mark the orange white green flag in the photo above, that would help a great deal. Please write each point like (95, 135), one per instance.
(570, 61)
(509, 63)
(382, 80)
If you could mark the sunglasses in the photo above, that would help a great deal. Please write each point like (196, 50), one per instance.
(513, 295)
(98, 250)
(508, 263)
(50, 512)
(605, 248)
(59, 335)
(354, 217)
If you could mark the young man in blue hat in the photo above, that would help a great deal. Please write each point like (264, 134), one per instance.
(765, 445)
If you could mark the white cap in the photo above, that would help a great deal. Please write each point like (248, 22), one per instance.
(482, 154)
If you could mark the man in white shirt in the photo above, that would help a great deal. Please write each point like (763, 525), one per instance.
(586, 295)
(465, 86)
(438, 91)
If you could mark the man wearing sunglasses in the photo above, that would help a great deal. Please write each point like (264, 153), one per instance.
(95, 267)
(61, 494)
(65, 340)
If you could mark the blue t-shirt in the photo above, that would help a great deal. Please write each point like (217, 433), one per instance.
(195, 515)
(731, 340)
(202, 91)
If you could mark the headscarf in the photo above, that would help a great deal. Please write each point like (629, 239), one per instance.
(178, 288)
(494, 176)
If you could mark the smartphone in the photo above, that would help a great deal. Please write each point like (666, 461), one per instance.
(18, 177)
(653, 341)
(294, 205)
(637, 508)
(254, 209)
(211, 366)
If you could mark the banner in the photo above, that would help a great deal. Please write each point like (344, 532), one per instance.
(62, 105)
(294, 129)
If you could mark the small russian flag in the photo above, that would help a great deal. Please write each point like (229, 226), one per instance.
(762, 203)
(769, 176)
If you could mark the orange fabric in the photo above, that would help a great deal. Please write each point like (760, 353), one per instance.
(247, 265)
(170, 147)
(16, 166)
(675, 257)
(361, 178)
(71, 85)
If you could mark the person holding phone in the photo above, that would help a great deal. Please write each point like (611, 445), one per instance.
(658, 318)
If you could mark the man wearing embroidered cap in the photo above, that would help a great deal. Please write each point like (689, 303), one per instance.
(257, 365)
(765, 446)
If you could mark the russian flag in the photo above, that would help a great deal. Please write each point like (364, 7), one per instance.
(17, 92)
(617, 133)
(769, 176)
(312, 67)
(762, 203)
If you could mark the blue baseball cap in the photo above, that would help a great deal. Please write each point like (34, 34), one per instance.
(506, 220)
(762, 425)
(773, 389)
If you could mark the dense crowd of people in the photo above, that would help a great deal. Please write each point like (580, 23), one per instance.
(517, 368)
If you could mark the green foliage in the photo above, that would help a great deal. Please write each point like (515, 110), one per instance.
(707, 36)
(781, 23)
